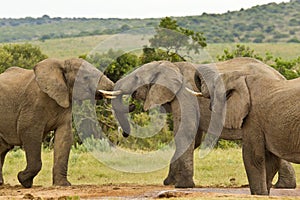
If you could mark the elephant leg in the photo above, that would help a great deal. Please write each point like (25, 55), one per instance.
(272, 167)
(32, 147)
(63, 140)
(174, 166)
(4, 148)
(2, 155)
(185, 118)
(286, 176)
(254, 162)
(173, 169)
(198, 138)
(185, 169)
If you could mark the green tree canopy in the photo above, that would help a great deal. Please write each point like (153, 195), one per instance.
(121, 65)
(152, 54)
(173, 38)
(21, 55)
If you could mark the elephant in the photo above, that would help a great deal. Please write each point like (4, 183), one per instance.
(37, 101)
(267, 110)
(145, 84)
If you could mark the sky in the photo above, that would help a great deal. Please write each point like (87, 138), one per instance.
(122, 8)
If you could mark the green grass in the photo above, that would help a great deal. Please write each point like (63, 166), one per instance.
(69, 47)
(215, 170)
(284, 50)
(74, 47)
(218, 169)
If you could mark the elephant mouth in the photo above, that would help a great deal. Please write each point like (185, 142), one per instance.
(99, 95)
(134, 94)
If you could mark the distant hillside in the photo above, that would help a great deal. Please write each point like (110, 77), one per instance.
(267, 23)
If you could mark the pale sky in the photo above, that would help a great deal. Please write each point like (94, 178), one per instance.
(122, 8)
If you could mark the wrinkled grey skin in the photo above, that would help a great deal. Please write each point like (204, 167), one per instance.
(267, 111)
(286, 178)
(180, 174)
(160, 83)
(34, 102)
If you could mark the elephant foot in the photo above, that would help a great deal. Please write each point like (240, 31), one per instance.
(286, 185)
(169, 181)
(62, 183)
(24, 180)
(264, 193)
(185, 184)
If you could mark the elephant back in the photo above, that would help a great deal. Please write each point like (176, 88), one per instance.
(249, 66)
(15, 78)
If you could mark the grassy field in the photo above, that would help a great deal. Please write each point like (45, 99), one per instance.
(221, 168)
(284, 50)
(73, 47)
(69, 47)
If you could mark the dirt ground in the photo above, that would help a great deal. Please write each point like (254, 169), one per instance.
(126, 192)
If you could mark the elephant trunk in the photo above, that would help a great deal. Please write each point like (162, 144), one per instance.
(121, 114)
(201, 78)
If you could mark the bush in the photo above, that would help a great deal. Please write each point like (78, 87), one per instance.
(91, 144)
(288, 68)
(227, 144)
(294, 40)
(21, 55)
(239, 51)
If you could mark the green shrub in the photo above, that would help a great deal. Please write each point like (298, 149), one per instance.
(227, 144)
(91, 144)
(21, 55)
(290, 69)
(239, 51)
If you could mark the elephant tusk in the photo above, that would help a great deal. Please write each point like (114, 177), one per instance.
(198, 94)
(109, 97)
(110, 93)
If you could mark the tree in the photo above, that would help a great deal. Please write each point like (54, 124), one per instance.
(121, 65)
(152, 54)
(173, 38)
(21, 55)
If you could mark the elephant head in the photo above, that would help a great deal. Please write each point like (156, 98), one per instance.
(71, 79)
(230, 88)
(156, 83)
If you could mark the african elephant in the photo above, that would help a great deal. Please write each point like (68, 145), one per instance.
(267, 110)
(35, 102)
(146, 83)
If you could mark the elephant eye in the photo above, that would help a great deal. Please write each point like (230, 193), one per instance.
(229, 93)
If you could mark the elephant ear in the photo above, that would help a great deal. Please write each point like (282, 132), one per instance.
(50, 78)
(237, 99)
(164, 86)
